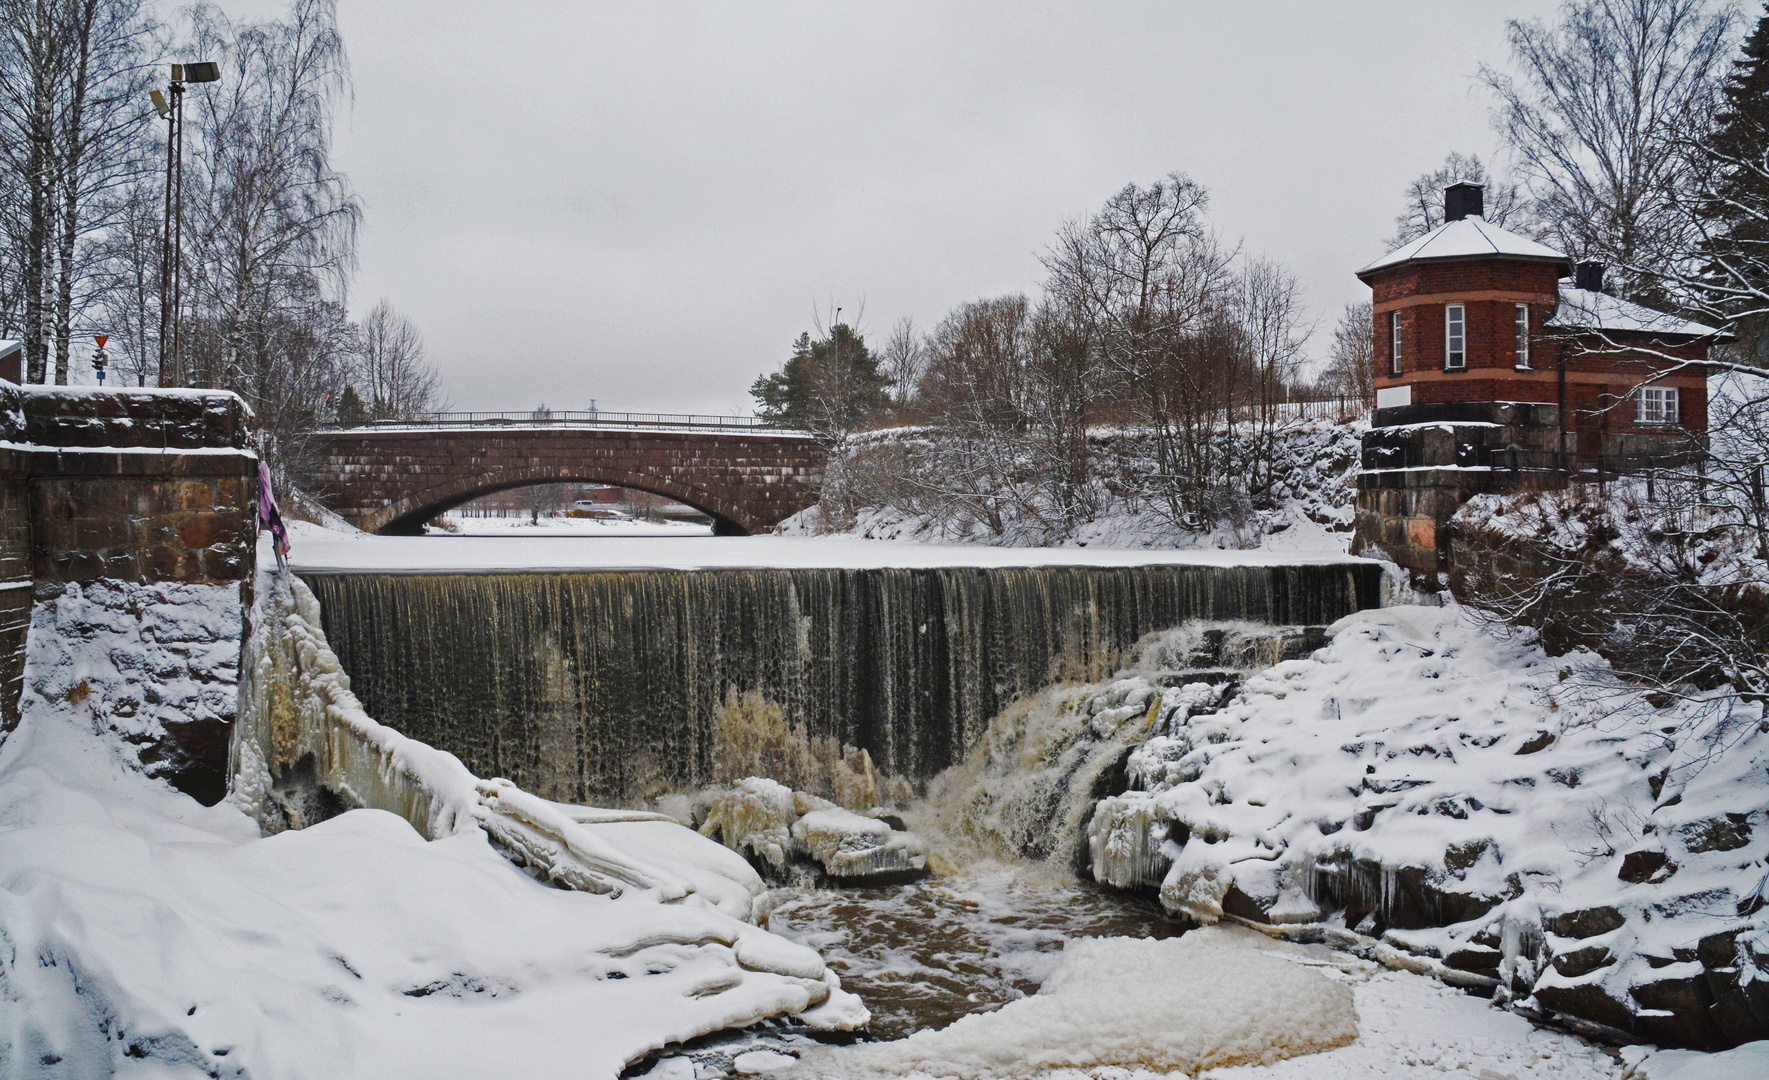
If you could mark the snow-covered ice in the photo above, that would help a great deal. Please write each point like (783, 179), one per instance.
(1214, 997)
(314, 549)
(596, 528)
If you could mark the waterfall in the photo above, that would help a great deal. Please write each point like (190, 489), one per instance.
(1031, 786)
(609, 687)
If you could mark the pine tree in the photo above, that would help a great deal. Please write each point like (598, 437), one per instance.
(1736, 203)
(351, 411)
(828, 385)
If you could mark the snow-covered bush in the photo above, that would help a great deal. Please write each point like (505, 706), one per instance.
(928, 484)
(1658, 577)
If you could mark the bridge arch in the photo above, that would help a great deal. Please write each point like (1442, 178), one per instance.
(393, 479)
(409, 514)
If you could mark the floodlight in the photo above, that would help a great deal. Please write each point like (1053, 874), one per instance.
(160, 105)
(202, 71)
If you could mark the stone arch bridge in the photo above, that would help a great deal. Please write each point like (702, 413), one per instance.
(391, 478)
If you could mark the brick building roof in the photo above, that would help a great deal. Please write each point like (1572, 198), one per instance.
(1581, 309)
(1468, 238)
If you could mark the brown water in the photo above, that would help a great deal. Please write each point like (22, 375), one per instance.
(923, 955)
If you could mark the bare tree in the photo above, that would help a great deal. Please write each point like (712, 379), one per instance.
(127, 276)
(1503, 201)
(902, 361)
(72, 112)
(1350, 370)
(1267, 304)
(1153, 281)
(273, 224)
(1659, 578)
(1593, 118)
(390, 368)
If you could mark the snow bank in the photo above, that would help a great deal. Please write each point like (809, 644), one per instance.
(1747, 1062)
(1212, 998)
(1310, 509)
(142, 932)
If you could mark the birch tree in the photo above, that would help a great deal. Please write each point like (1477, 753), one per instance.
(1594, 111)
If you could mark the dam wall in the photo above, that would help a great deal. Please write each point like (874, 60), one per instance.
(614, 687)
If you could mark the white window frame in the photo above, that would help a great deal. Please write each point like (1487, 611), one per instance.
(1394, 347)
(1455, 337)
(1657, 406)
(1522, 322)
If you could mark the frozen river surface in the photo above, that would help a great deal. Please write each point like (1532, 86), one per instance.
(318, 550)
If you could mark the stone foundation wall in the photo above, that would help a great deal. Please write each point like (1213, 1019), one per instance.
(122, 489)
(1420, 463)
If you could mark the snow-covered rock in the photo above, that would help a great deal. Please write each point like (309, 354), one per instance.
(1458, 793)
(774, 824)
(849, 845)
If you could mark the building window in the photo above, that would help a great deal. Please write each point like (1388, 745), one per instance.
(1455, 333)
(1394, 348)
(1656, 405)
(1523, 337)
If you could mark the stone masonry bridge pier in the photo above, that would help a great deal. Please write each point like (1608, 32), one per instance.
(391, 478)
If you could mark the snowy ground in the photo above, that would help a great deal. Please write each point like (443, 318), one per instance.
(316, 550)
(143, 934)
(566, 526)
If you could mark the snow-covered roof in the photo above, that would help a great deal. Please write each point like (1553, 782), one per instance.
(1471, 237)
(7, 345)
(1581, 309)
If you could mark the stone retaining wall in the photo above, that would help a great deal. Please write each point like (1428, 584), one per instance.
(132, 486)
(394, 480)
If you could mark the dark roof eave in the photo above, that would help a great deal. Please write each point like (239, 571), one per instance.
(1718, 337)
(1365, 275)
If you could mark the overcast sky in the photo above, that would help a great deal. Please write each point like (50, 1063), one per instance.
(644, 203)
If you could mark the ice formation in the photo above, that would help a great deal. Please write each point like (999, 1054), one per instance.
(773, 824)
(1210, 999)
(850, 845)
(755, 816)
(1029, 787)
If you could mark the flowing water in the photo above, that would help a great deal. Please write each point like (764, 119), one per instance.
(923, 955)
(609, 687)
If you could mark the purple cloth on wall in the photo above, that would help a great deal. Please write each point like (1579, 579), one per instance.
(269, 517)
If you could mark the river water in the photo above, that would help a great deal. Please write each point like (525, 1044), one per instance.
(923, 955)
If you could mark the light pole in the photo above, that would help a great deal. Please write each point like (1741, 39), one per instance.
(172, 236)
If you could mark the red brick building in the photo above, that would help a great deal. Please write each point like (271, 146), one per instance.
(1498, 363)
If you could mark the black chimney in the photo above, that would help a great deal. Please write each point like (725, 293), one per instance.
(1460, 201)
(1588, 276)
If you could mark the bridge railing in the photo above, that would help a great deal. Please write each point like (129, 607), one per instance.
(593, 418)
